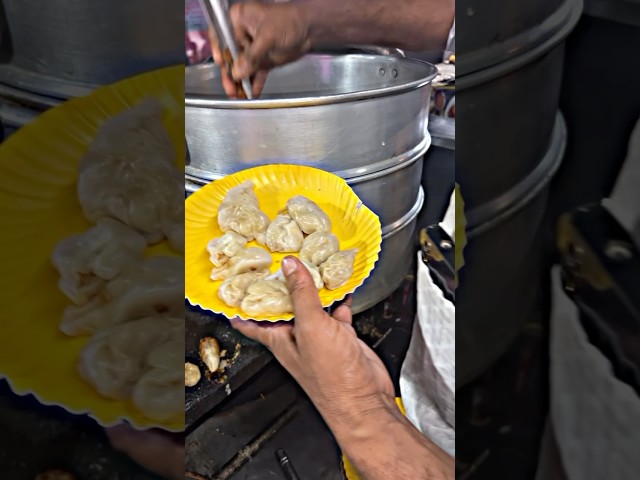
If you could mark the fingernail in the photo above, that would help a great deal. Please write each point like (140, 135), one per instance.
(235, 321)
(289, 266)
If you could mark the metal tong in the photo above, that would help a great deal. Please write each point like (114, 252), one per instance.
(218, 16)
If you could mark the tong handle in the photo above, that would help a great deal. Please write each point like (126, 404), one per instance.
(218, 17)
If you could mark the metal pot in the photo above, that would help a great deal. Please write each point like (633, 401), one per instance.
(351, 115)
(507, 91)
(17, 108)
(390, 193)
(503, 263)
(491, 32)
(397, 251)
(65, 48)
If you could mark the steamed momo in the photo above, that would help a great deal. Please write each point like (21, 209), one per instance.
(282, 235)
(159, 392)
(114, 358)
(87, 261)
(233, 289)
(150, 287)
(223, 248)
(267, 297)
(315, 274)
(129, 174)
(313, 271)
(318, 246)
(254, 259)
(338, 269)
(239, 212)
(308, 215)
(243, 193)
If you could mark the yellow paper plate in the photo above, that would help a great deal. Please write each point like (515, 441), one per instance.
(352, 222)
(349, 471)
(38, 208)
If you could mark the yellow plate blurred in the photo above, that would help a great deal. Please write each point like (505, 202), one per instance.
(352, 222)
(38, 208)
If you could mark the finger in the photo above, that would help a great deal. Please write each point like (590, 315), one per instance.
(254, 56)
(215, 50)
(272, 336)
(343, 312)
(258, 82)
(304, 294)
(228, 84)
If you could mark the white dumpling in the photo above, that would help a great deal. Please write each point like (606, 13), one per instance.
(254, 259)
(129, 173)
(267, 297)
(152, 286)
(243, 193)
(210, 354)
(338, 269)
(242, 218)
(113, 359)
(159, 392)
(319, 246)
(221, 249)
(315, 274)
(282, 235)
(308, 215)
(191, 374)
(233, 289)
(85, 262)
(240, 212)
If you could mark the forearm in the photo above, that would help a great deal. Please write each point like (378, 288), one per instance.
(416, 25)
(381, 443)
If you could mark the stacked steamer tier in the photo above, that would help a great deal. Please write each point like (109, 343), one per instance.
(362, 117)
(54, 50)
(510, 143)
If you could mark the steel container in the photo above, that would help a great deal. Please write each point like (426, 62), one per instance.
(65, 48)
(396, 255)
(389, 193)
(350, 114)
(508, 78)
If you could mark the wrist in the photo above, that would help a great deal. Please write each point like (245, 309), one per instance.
(358, 419)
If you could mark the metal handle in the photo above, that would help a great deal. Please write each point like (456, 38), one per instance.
(217, 12)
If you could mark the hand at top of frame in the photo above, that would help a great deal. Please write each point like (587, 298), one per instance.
(268, 35)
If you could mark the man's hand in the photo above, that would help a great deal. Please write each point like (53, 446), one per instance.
(268, 35)
(343, 377)
(349, 386)
(157, 451)
(274, 34)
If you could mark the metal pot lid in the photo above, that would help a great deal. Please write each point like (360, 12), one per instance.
(315, 80)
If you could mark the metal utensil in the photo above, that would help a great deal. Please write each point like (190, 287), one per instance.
(218, 16)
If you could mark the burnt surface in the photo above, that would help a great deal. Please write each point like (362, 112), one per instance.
(242, 359)
(239, 436)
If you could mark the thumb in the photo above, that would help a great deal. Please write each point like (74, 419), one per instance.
(304, 294)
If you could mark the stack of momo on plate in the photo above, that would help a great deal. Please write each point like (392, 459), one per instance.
(302, 227)
(130, 307)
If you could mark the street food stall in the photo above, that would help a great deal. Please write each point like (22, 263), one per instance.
(361, 113)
